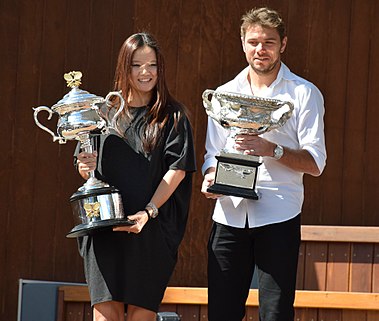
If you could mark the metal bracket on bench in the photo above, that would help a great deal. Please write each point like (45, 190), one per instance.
(168, 316)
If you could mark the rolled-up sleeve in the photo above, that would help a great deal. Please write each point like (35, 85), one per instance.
(311, 127)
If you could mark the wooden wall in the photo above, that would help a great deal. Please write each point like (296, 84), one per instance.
(331, 42)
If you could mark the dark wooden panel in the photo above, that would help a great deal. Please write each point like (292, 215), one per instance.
(18, 236)
(301, 267)
(334, 91)
(356, 114)
(371, 186)
(361, 267)
(375, 270)
(188, 91)
(9, 37)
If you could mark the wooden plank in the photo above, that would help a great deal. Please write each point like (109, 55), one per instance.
(337, 274)
(77, 293)
(19, 216)
(252, 313)
(364, 234)
(305, 314)
(375, 270)
(316, 70)
(337, 300)
(204, 312)
(10, 18)
(60, 305)
(74, 311)
(371, 185)
(330, 314)
(372, 315)
(361, 267)
(337, 30)
(353, 315)
(300, 267)
(315, 266)
(189, 312)
(168, 307)
(198, 296)
(188, 91)
(355, 131)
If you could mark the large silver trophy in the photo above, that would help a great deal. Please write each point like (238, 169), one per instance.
(96, 205)
(236, 173)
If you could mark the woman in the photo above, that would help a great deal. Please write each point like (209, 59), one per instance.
(150, 160)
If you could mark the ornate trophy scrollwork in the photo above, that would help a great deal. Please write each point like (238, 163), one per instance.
(236, 173)
(95, 205)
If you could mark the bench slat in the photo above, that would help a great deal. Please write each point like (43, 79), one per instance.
(364, 234)
(198, 296)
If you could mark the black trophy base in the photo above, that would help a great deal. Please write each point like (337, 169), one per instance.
(233, 191)
(236, 175)
(89, 228)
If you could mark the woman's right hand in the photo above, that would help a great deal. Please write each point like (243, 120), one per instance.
(87, 162)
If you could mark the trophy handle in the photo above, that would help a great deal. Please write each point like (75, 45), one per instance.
(280, 116)
(120, 109)
(61, 140)
(205, 96)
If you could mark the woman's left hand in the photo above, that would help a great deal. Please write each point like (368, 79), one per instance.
(140, 218)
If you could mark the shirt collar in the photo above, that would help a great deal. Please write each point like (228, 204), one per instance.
(243, 83)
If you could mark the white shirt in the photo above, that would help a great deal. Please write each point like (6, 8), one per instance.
(281, 189)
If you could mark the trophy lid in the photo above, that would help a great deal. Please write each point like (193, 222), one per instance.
(76, 98)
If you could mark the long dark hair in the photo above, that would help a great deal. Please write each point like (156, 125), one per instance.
(162, 102)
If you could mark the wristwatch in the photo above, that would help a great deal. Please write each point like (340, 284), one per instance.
(152, 209)
(278, 152)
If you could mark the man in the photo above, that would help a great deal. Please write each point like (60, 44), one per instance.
(264, 233)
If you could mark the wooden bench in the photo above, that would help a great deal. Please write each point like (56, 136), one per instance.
(338, 279)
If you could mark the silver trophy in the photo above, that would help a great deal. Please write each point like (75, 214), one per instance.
(236, 173)
(96, 205)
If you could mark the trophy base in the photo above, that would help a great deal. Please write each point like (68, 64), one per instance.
(236, 175)
(96, 209)
(90, 228)
(233, 191)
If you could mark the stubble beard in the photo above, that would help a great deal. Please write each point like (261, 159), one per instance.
(267, 70)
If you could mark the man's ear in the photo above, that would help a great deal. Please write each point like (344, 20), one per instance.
(243, 44)
(284, 45)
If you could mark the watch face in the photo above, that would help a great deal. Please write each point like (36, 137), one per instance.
(278, 152)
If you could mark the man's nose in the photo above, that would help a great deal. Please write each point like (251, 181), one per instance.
(260, 47)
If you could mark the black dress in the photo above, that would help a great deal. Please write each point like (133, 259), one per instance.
(136, 268)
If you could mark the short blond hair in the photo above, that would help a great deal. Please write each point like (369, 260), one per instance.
(264, 17)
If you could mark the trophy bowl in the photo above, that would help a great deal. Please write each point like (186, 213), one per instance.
(236, 173)
(95, 205)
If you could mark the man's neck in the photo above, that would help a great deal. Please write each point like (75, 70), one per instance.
(259, 82)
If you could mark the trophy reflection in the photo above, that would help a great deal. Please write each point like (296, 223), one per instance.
(236, 173)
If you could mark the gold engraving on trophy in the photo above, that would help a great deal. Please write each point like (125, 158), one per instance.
(73, 78)
(92, 209)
